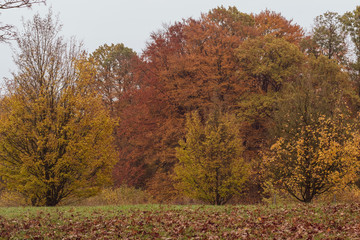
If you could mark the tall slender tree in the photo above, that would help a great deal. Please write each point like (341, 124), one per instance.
(351, 23)
(114, 76)
(329, 35)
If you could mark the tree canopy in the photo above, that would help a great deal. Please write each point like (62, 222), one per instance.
(206, 98)
(55, 135)
(210, 165)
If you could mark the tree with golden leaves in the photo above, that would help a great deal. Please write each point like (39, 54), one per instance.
(316, 147)
(321, 156)
(55, 134)
(210, 165)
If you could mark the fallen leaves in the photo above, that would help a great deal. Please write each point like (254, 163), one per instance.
(339, 221)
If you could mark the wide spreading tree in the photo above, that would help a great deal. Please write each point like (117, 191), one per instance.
(322, 155)
(317, 142)
(55, 134)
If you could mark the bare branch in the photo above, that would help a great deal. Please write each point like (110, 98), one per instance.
(8, 4)
(6, 33)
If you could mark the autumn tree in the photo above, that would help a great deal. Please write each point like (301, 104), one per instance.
(55, 135)
(210, 165)
(189, 65)
(6, 31)
(114, 76)
(351, 23)
(186, 66)
(329, 35)
(271, 23)
(268, 62)
(115, 81)
(200, 52)
(316, 138)
(320, 156)
(145, 116)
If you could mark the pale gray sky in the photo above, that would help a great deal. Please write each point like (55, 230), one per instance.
(130, 22)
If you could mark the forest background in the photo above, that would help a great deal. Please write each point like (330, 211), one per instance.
(228, 107)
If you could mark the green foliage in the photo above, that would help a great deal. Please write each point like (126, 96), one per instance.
(329, 35)
(231, 18)
(351, 23)
(266, 63)
(114, 77)
(210, 165)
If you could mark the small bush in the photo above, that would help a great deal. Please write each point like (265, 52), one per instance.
(11, 199)
(123, 195)
(273, 195)
(350, 194)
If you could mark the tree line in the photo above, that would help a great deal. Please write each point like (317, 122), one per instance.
(212, 109)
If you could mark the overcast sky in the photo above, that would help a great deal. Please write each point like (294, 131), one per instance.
(130, 22)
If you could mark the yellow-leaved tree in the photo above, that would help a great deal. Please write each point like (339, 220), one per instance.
(210, 166)
(316, 138)
(55, 134)
(322, 155)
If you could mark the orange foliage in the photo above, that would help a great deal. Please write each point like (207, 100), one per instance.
(190, 65)
(272, 23)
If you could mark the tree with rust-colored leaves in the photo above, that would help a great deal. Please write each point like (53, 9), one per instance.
(191, 65)
(185, 67)
(272, 23)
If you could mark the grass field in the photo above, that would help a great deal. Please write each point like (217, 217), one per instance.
(335, 221)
